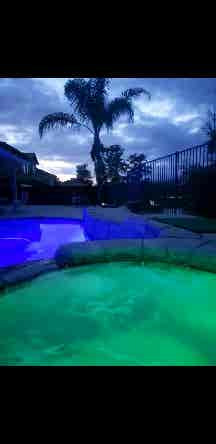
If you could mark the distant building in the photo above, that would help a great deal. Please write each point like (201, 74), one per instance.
(45, 177)
(13, 158)
(18, 171)
(74, 182)
(32, 162)
(13, 163)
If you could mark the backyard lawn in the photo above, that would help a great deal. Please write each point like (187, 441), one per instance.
(197, 225)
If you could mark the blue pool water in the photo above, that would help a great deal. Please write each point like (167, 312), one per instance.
(24, 240)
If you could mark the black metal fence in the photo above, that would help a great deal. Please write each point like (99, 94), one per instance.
(168, 181)
(175, 168)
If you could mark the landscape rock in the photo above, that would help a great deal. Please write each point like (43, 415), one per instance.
(177, 251)
(173, 232)
(26, 272)
(98, 251)
(204, 258)
(79, 254)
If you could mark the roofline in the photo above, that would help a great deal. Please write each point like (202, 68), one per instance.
(46, 172)
(16, 152)
(12, 155)
(33, 155)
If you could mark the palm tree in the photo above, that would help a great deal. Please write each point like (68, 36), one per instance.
(93, 111)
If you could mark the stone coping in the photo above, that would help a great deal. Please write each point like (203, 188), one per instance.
(12, 276)
(177, 246)
(193, 252)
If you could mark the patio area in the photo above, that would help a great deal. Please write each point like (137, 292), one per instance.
(115, 214)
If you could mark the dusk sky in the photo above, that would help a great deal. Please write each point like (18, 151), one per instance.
(171, 121)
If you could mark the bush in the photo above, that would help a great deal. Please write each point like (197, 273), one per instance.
(142, 206)
(202, 189)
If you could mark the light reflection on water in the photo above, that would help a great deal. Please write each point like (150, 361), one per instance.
(52, 236)
(33, 239)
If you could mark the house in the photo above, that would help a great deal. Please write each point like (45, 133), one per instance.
(21, 179)
(25, 162)
(12, 163)
(74, 183)
(19, 172)
(80, 191)
(32, 162)
(45, 177)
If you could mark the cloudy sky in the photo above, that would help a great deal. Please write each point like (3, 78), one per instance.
(171, 121)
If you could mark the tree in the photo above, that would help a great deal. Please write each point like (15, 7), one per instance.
(137, 168)
(92, 111)
(209, 129)
(83, 174)
(115, 166)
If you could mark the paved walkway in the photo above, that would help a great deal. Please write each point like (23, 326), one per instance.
(43, 211)
(114, 214)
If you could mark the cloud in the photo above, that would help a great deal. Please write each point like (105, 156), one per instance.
(13, 135)
(161, 108)
(64, 170)
(171, 121)
(185, 118)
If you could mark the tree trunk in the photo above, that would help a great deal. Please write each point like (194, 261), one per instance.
(97, 157)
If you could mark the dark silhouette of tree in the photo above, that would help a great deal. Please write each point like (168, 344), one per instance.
(137, 168)
(209, 129)
(92, 111)
(83, 174)
(115, 166)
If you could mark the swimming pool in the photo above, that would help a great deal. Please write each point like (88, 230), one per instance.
(32, 239)
(122, 313)
(24, 240)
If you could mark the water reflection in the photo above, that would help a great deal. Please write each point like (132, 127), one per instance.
(52, 236)
(30, 239)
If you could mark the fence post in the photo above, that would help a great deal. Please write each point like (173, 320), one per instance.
(176, 167)
(177, 174)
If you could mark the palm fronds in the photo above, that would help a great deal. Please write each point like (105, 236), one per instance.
(123, 106)
(132, 93)
(88, 99)
(57, 120)
(78, 92)
(99, 87)
(116, 108)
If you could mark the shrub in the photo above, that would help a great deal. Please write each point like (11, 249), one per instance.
(202, 189)
(140, 206)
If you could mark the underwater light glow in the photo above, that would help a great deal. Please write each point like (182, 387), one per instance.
(111, 314)
(34, 239)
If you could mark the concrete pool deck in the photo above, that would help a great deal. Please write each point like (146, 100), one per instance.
(174, 246)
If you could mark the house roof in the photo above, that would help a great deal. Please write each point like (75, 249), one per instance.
(31, 156)
(18, 153)
(45, 173)
(70, 183)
